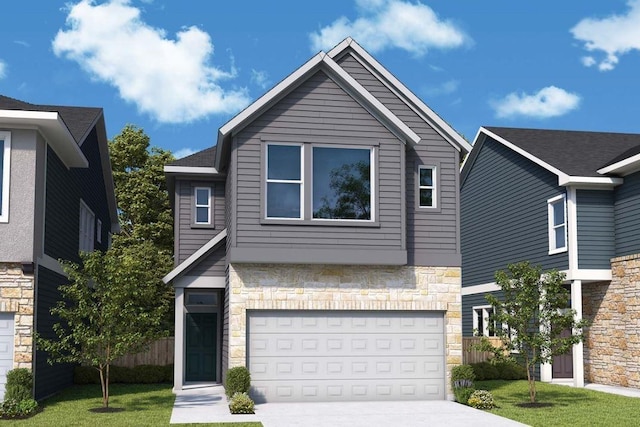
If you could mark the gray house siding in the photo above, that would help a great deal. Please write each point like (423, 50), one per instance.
(429, 232)
(504, 214)
(317, 111)
(213, 265)
(49, 378)
(596, 243)
(190, 238)
(627, 216)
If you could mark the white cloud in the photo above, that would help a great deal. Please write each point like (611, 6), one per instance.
(614, 36)
(172, 80)
(588, 61)
(260, 78)
(384, 24)
(548, 102)
(445, 88)
(3, 69)
(184, 152)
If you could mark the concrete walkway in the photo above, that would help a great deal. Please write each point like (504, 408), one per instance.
(204, 404)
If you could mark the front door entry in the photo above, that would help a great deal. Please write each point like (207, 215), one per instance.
(201, 339)
(562, 365)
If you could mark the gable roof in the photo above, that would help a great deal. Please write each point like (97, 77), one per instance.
(202, 159)
(576, 157)
(201, 253)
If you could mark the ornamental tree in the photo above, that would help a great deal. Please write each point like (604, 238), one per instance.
(533, 313)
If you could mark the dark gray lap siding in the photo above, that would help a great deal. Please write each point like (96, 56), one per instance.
(596, 244)
(627, 216)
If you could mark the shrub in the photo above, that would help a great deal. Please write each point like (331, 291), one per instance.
(463, 393)
(462, 376)
(238, 381)
(481, 399)
(19, 385)
(12, 408)
(505, 370)
(485, 371)
(142, 374)
(148, 374)
(241, 403)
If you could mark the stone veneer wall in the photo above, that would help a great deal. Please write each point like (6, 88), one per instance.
(612, 345)
(337, 287)
(17, 296)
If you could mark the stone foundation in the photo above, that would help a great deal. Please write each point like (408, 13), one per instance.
(337, 287)
(17, 296)
(612, 344)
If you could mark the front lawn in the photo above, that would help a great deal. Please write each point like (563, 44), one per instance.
(567, 406)
(141, 404)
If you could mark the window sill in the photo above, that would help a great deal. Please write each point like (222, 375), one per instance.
(557, 251)
(204, 226)
(321, 222)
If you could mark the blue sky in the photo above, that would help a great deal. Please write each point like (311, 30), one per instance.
(181, 69)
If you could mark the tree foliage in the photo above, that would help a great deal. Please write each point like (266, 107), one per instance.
(113, 305)
(534, 312)
(141, 190)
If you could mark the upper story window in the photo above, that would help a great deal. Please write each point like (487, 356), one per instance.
(483, 325)
(202, 207)
(427, 186)
(87, 228)
(557, 208)
(341, 182)
(5, 154)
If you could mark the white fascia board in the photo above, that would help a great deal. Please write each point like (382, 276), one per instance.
(53, 129)
(589, 181)
(368, 98)
(195, 256)
(426, 113)
(480, 289)
(623, 167)
(197, 170)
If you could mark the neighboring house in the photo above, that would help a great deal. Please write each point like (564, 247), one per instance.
(318, 242)
(56, 198)
(568, 201)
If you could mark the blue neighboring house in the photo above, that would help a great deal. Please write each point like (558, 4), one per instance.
(569, 201)
(56, 199)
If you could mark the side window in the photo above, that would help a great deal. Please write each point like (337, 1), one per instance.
(202, 209)
(5, 154)
(482, 323)
(87, 228)
(557, 208)
(427, 186)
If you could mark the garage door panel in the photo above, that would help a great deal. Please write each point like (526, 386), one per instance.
(7, 333)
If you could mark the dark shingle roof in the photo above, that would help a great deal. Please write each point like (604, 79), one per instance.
(78, 119)
(575, 153)
(204, 159)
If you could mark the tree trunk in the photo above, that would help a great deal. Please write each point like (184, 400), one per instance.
(532, 382)
(105, 397)
(104, 373)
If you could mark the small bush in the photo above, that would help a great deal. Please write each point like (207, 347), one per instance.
(12, 408)
(19, 385)
(507, 370)
(462, 376)
(462, 394)
(485, 371)
(238, 381)
(241, 403)
(27, 407)
(142, 374)
(481, 399)
(148, 374)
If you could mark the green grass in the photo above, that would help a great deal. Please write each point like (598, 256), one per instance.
(568, 406)
(142, 404)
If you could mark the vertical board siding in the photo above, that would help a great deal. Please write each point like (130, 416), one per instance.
(596, 229)
(627, 216)
(321, 109)
(426, 230)
(49, 379)
(504, 216)
(190, 239)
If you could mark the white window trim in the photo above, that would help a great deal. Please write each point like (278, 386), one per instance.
(209, 206)
(486, 311)
(99, 231)
(372, 181)
(6, 169)
(267, 181)
(88, 238)
(433, 187)
(551, 228)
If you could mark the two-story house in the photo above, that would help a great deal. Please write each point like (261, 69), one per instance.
(563, 200)
(56, 199)
(317, 243)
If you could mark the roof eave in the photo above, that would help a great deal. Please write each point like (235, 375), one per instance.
(196, 256)
(623, 167)
(589, 182)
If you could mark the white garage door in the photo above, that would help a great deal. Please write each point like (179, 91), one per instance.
(346, 355)
(6, 349)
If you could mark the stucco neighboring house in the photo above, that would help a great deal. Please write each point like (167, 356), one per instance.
(565, 200)
(317, 243)
(56, 198)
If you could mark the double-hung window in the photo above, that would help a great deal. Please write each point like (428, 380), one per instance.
(202, 206)
(87, 228)
(483, 324)
(427, 186)
(284, 181)
(5, 154)
(557, 208)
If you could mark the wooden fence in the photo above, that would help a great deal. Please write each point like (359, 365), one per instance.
(159, 353)
(469, 355)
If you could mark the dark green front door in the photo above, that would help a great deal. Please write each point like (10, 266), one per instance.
(201, 347)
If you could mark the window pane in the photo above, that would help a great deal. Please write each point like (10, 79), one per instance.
(560, 241)
(202, 215)
(426, 198)
(342, 183)
(558, 213)
(202, 197)
(283, 200)
(426, 177)
(201, 298)
(284, 162)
